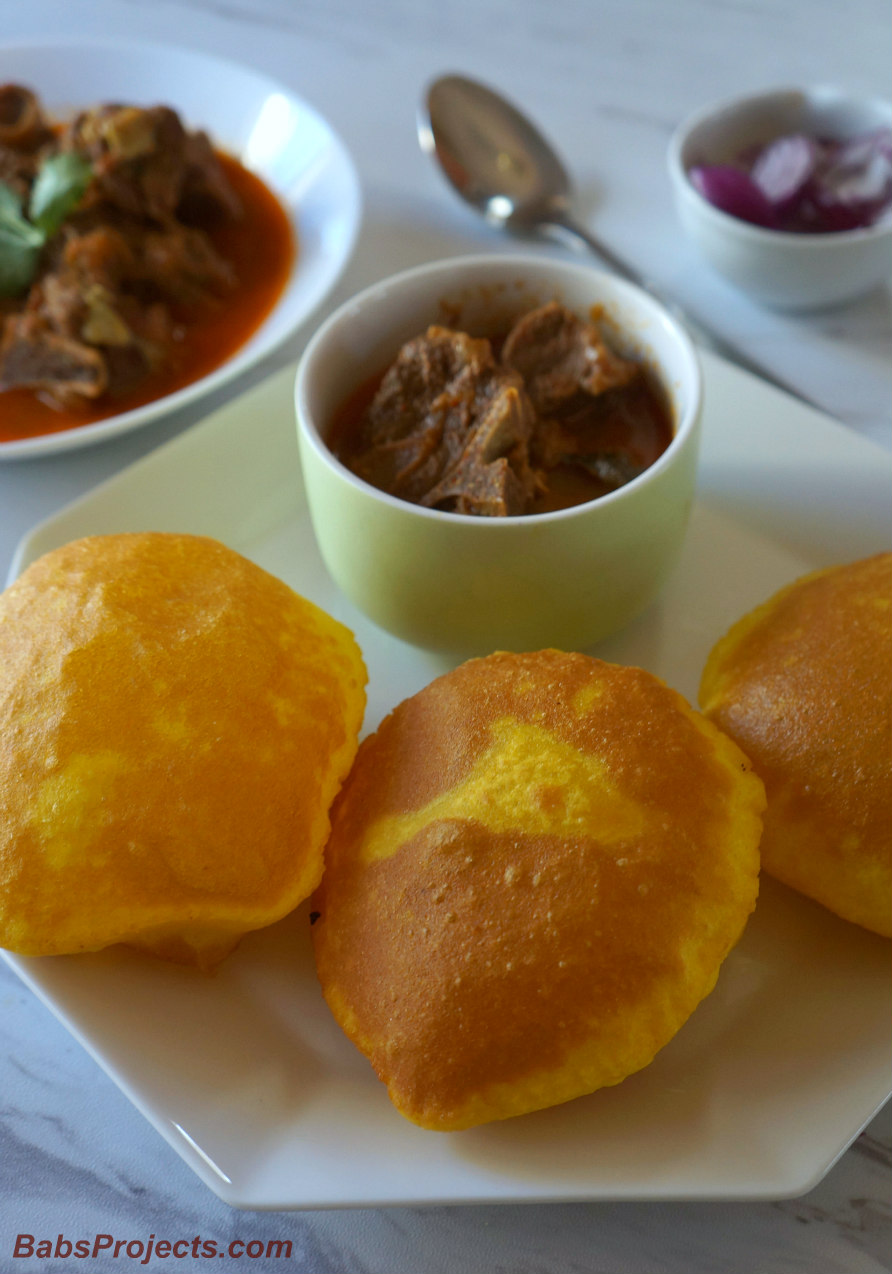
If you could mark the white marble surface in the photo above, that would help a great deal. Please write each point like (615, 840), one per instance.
(609, 82)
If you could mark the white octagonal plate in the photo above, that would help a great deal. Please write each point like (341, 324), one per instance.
(246, 1073)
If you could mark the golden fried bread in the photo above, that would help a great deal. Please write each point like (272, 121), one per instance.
(804, 684)
(537, 866)
(174, 725)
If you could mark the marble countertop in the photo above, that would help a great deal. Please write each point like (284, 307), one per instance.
(609, 83)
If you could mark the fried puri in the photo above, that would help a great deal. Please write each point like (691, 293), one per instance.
(537, 866)
(174, 725)
(803, 683)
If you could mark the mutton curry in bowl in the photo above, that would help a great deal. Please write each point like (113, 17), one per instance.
(167, 219)
(500, 451)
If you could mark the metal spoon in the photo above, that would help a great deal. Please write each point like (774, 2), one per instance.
(499, 163)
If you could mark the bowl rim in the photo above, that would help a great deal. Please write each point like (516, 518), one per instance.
(679, 171)
(516, 262)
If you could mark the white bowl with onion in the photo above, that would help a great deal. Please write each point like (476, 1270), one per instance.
(788, 194)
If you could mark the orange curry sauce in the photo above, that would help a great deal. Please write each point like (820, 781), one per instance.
(260, 247)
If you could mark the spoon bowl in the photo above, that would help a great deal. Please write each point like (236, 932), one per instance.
(492, 154)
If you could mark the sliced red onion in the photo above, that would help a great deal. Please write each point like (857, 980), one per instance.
(733, 191)
(783, 169)
(855, 181)
(805, 184)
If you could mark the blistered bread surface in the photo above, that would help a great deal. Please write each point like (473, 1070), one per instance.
(536, 868)
(174, 725)
(804, 684)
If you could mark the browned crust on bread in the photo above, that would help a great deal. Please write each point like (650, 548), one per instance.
(536, 868)
(174, 724)
(804, 684)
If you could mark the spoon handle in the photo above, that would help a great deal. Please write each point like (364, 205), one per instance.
(564, 228)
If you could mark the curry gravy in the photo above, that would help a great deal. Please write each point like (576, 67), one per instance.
(261, 248)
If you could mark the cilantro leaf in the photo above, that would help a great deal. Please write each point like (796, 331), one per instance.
(18, 262)
(10, 203)
(59, 188)
(20, 244)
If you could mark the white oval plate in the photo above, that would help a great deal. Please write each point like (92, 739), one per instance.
(264, 125)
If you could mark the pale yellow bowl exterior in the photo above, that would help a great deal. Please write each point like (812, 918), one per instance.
(471, 585)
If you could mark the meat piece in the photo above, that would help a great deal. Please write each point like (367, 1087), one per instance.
(146, 164)
(137, 157)
(104, 255)
(492, 477)
(206, 195)
(503, 487)
(558, 355)
(174, 263)
(58, 300)
(23, 126)
(87, 276)
(598, 435)
(107, 287)
(33, 356)
(449, 428)
(439, 367)
(23, 131)
(182, 265)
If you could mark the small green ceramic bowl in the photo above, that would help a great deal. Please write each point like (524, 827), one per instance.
(469, 585)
